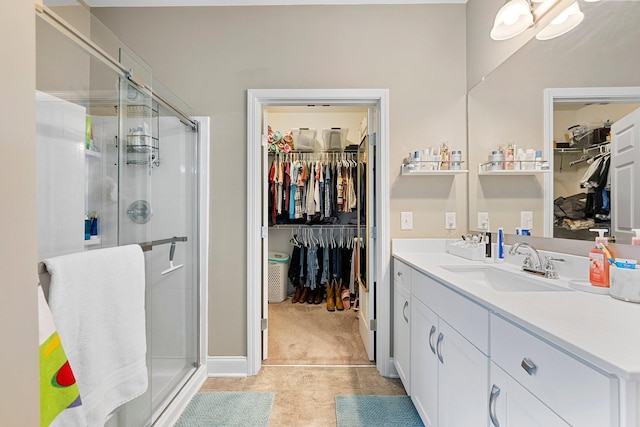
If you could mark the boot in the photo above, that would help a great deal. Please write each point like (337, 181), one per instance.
(296, 295)
(311, 295)
(303, 297)
(331, 305)
(338, 297)
(318, 297)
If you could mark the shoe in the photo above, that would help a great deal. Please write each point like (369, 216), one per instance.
(311, 296)
(331, 305)
(303, 297)
(319, 295)
(346, 299)
(338, 297)
(296, 295)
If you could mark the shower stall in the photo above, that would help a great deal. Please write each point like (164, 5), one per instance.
(119, 163)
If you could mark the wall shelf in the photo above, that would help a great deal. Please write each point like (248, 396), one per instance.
(486, 169)
(429, 168)
(91, 153)
(92, 242)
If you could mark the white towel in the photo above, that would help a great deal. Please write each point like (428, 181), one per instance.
(97, 302)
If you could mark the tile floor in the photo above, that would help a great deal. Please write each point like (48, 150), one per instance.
(305, 395)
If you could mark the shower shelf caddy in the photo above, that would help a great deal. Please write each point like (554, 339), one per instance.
(143, 149)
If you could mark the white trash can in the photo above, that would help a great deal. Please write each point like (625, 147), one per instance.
(277, 276)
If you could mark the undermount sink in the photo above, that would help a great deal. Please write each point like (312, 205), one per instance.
(503, 280)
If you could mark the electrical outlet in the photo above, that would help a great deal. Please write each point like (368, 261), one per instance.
(450, 221)
(483, 220)
(526, 219)
(406, 220)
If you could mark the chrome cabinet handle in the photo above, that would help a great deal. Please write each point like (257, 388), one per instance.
(528, 366)
(431, 333)
(404, 311)
(399, 273)
(438, 344)
(495, 392)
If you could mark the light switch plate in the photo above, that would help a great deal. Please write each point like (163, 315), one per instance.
(450, 221)
(526, 219)
(406, 220)
(483, 220)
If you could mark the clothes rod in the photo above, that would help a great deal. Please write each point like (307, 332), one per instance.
(146, 246)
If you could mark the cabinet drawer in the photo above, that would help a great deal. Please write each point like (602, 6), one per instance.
(402, 274)
(471, 320)
(578, 393)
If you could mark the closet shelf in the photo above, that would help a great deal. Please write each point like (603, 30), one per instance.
(585, 149)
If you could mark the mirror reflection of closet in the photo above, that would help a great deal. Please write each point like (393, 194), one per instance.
(506, 105)
(582, 143)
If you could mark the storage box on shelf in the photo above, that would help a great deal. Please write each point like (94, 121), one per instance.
(334, 139)
(304, 139)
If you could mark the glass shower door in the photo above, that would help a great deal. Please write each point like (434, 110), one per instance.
(174, 276)
(159, 209)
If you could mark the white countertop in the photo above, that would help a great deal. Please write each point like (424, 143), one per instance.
(597, 328)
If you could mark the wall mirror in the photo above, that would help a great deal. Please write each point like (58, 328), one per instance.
(508, 106)
(577, 128)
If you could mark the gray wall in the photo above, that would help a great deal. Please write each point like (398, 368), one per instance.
(211, 56)
(19, 404)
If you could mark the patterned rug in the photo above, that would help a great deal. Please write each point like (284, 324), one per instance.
(369, 411)
(227, 408)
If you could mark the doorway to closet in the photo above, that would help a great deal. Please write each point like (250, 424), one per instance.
(356, 234)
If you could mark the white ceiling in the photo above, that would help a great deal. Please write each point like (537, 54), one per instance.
(154, 3)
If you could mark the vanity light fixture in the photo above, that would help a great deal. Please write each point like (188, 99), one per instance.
(512, 19)
(570, 18)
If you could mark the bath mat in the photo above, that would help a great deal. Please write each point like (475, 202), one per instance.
(227, 408)
(355, 411)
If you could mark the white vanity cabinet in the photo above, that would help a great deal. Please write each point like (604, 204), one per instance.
(510, 404)
(578, 393)
(401, 322)
(449, 372)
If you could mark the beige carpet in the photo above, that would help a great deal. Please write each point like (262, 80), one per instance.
(308, 334)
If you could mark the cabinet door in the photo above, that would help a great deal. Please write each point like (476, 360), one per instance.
(511, 405)
(401, 335)
(424, 362)
(462, 380)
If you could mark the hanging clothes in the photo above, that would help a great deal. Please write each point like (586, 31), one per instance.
(314, 192)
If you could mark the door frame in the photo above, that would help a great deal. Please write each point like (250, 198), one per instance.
(256, 100)
(628, 94)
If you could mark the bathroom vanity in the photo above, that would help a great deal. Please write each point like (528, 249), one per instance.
(485, 341)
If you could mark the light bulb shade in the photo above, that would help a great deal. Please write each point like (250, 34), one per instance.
(512, 19)
(570, 18)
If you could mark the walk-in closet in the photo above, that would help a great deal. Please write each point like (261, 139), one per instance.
(319, 197)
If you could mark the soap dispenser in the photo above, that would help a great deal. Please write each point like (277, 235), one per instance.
(635, 241)
(600, 258)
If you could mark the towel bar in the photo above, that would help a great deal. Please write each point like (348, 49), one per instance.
(146, 246)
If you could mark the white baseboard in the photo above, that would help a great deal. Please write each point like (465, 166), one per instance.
(225, 366)
(169, 417)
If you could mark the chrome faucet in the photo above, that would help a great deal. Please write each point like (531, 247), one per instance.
(532, 252)
(546, 268)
